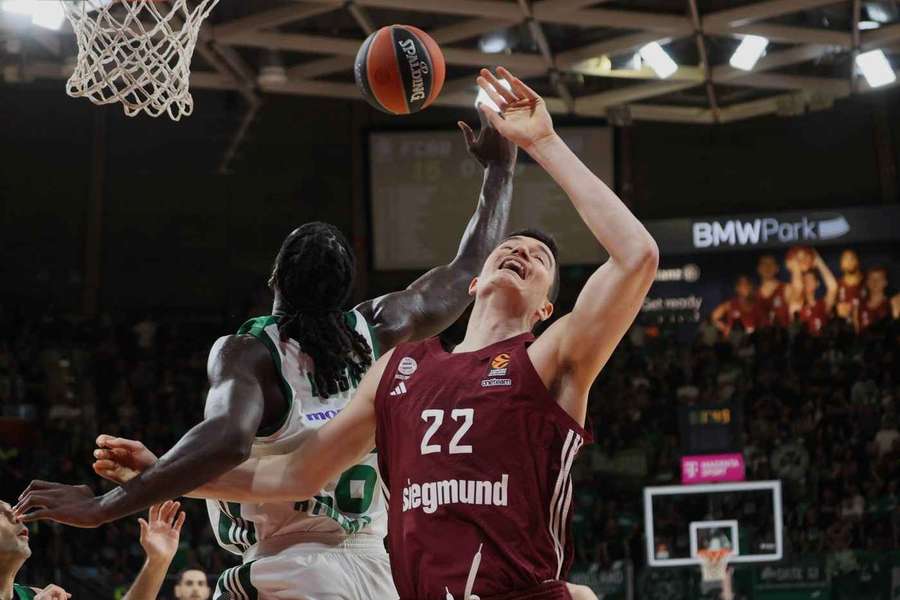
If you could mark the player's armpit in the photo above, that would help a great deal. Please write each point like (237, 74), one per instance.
(321, 457)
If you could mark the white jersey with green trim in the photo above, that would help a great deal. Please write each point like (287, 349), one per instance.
(352, 505)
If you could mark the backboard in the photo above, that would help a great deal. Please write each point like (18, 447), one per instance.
(684, 519)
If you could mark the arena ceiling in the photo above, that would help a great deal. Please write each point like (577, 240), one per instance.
(578, 53)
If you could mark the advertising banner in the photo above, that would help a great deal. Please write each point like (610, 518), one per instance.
(712, 468)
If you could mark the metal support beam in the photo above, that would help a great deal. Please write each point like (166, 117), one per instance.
(704, 60)
(540, 39)
(734, 17)
(270, 18)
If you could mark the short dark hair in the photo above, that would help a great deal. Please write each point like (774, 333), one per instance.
(546, 239)
(185, 571)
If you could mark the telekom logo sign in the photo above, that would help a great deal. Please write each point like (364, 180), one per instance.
(709, 468)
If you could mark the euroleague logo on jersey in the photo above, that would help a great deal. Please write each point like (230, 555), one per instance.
(496, 376)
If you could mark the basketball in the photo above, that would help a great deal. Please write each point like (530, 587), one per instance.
(400, 69)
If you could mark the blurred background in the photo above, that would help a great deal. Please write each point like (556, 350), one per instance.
(130, 244)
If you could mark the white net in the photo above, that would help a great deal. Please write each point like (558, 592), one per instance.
(137, 52)
(713, 564)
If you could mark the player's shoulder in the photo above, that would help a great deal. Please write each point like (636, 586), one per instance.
(237, 352)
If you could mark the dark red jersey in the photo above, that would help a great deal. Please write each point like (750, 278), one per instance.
(851, 294)
(474, 453)
(869, 315)
(775, 307)
(748, 313)
(814, 316)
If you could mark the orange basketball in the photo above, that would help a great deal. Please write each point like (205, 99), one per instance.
(400, 69)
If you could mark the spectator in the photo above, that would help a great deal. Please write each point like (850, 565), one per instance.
(743, 309)
(876, 306)
(192, 584)
(772, 292)
(850, 286)
(887, 437)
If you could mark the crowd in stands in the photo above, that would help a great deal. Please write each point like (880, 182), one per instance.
(820, 411)
(69, 380)
(820, 408)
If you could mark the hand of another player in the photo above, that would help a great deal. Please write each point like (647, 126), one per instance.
(120, 459)
(161, 531)
(523, 117)
(52, 592)
(489, 147)
(67, 504)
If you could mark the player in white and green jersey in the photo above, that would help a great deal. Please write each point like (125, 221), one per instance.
(281, 376)
(280, 542)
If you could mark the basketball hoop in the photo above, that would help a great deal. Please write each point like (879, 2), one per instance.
(713, 563)
(137, 52)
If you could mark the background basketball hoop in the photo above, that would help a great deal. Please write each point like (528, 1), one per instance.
(713, 563)
(137, 52)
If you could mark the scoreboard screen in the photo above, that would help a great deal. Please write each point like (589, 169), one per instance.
(710, 429)
(424, 188)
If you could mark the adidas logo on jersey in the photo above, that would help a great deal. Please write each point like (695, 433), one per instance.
(399, 390)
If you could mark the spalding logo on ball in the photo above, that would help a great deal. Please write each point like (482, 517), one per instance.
(400, 69)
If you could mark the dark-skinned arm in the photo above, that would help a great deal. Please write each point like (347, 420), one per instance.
(234, 409)
(436, 299)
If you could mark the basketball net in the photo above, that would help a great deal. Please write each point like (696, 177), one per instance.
(713, 563)
(137, 52)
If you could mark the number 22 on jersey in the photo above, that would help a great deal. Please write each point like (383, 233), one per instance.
(464, 416)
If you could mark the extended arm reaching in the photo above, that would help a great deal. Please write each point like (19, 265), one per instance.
(573, 351)
(323, 455)
(435, 300)
(159, 539)
(234, 409)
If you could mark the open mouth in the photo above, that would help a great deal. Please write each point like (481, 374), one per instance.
(511, 264)
(23, 534)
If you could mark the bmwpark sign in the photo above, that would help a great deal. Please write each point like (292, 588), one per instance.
(774, 230)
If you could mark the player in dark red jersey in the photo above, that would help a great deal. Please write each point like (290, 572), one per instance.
(876, 306)
(815, 311)
(850, 286)
(744, 308)
(772, 293)
(475, 444)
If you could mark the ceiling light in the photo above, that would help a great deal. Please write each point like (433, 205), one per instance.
(876, 68)
(659, 61)
(271, 72)
(748, 52)
(483, 98)
(867, 25)
(48, 15)
(493, 42)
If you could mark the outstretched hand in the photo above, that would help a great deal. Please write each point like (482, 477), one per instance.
(67, 504)
(489, 147)
(523, 118)
(52, 592)
(120, 459)
(160, 533)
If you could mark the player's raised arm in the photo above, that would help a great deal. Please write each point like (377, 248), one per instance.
(322, 456)
(570, 354)
(435, 300)
(234, 409)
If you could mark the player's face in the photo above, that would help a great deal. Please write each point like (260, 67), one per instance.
(876, 281)
(767, 267)
(523, 266)
(744, 287)
(192, 586)
(849, 261)
(13, 534)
